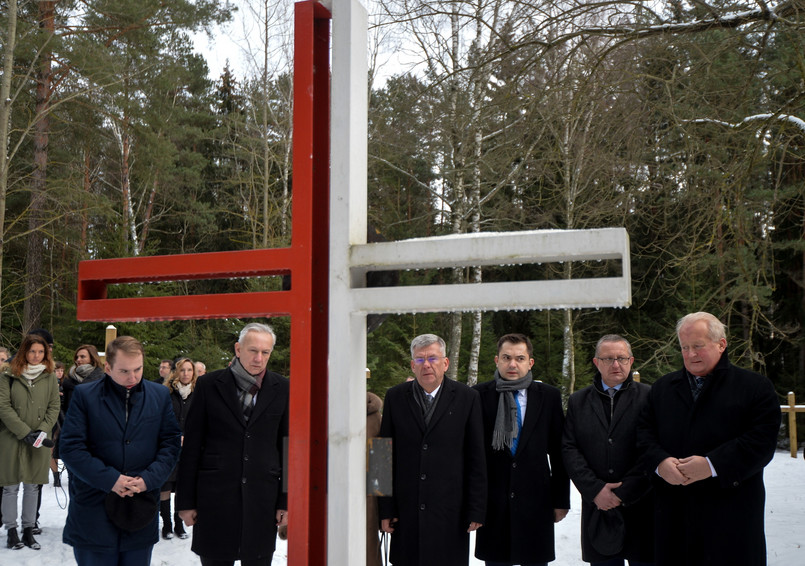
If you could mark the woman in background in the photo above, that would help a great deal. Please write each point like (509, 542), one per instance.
(181, 383)
(29, 409)
(87, 367)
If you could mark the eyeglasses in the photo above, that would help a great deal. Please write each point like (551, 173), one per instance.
(610, 361)
(431, 360)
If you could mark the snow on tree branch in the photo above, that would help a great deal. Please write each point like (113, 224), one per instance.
(798, 122)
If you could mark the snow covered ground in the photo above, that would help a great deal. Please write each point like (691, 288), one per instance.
(785, 528)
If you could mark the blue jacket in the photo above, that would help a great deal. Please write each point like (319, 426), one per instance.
(98, 444)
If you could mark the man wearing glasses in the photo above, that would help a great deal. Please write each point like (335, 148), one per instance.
(439, 473)
(600, 451)
(522, 432)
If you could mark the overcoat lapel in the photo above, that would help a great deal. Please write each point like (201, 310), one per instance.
(226, 389)
(598, 407)
(534, 407)
(111, 406)
(446, 398)
(681, 388)
(413, 406)
(266, 396)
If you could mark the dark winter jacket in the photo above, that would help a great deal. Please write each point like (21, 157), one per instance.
(600, 447)
(524, 489)
(439, 475)
(98, 444)
(734, 422)
(230, 471)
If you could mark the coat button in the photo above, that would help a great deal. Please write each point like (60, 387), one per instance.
(514, 464)
(511, 495)
(423, 476)
(735, 484)
(422, 507)
(611, 441)
(611, 471)
(424, 447)
(242, 480)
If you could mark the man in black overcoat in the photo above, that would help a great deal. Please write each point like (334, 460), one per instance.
(600, 452)
(708, 431)
(439, 473)
(529, 489)
(229, 483)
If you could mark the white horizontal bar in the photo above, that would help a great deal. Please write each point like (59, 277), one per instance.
(514, 295)
(494, 248)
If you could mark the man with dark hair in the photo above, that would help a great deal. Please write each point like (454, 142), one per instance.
(120, 441)
(529, 490)
(165, 368)
(600, 452)
(229, 483)
(707, 432)
(438, 465)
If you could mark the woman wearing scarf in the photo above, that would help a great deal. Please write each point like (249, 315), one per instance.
(29, 408)
(181, 383)
(87, 367)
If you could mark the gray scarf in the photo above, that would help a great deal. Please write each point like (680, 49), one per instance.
(248, 386)
(506, 419)
(80, 373)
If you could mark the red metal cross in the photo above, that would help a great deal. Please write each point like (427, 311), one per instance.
(306, 261)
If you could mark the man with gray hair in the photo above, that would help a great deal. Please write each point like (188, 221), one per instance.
(229, 482)
(707, 432)
(438, 465)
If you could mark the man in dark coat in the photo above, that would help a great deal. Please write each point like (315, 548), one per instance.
(120, 440)
(439, 474)
(229, 483)
(529, 489)
(601, 457)
(707, 432)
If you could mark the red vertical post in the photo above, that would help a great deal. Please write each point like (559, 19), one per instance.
(307, 495)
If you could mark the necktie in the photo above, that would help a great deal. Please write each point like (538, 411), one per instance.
(516, 439)
(428, 400)
(698, 389)
(611, 392)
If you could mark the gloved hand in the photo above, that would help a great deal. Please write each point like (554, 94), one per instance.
(32, 436)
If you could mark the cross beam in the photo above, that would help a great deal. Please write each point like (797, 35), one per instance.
(327, 260)
(305, 260)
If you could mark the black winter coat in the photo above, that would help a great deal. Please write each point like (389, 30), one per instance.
(599, 450)
(716, 521)
(230, 472)
(524, 489)
(439, 475)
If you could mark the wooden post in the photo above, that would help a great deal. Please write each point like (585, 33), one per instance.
(792, 424)
(111, 334)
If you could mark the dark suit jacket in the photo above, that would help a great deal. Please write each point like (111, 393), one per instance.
(735, 423)
(524, 489)
(598, 450)
(231, 471)
(439, 475)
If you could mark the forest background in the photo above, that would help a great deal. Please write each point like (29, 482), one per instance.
(682, 121)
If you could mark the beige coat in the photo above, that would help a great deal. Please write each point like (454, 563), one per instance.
(24, 407)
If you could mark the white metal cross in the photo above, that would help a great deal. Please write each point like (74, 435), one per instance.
(351, 258)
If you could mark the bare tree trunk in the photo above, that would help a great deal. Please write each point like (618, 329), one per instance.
(32, 309)
(84, 215)
(569, 360)
(5, 116)
(149, 210)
